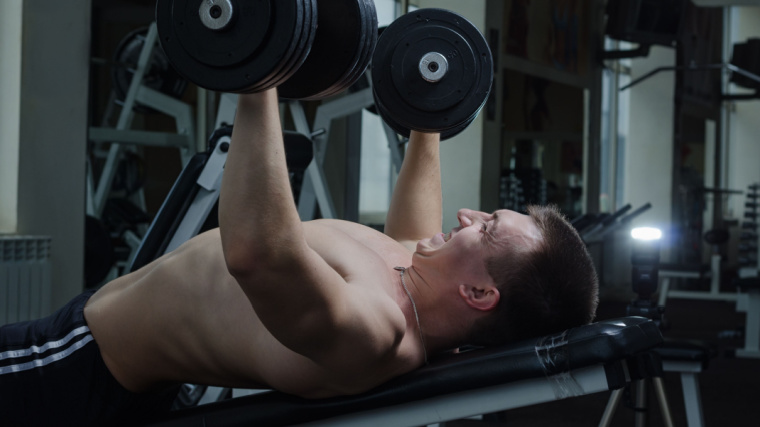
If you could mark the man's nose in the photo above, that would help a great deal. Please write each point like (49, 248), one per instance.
(466, 217)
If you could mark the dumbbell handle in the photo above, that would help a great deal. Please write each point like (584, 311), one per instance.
(433, 67)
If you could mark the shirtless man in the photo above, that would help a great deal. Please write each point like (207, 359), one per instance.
(314, 309)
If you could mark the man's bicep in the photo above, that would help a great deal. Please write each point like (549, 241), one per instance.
(295, 298)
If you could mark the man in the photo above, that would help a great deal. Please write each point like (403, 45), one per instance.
(315, 309)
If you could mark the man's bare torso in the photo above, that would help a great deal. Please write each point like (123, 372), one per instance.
(184, 318)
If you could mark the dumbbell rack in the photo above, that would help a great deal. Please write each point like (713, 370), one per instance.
(748, 241)
(749, 279)
(511, 192)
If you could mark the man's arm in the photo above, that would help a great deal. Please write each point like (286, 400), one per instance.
(415, 211)
(299, 298)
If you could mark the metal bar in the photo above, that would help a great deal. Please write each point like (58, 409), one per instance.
(702, 295)
(210, 182)
(125, 118)
(394, 144)
(326, 113)
(468, 403)
(640, 416)
(703, 67)
(353, 167)
(692, 400)
(180, 111)
(612, 405)
(148, 138)
(201, 118)
(659, 390)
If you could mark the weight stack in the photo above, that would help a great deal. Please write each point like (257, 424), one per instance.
(510, 192)
(533, 186)
(748, 240)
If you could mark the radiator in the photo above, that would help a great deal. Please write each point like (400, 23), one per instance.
(25, 283)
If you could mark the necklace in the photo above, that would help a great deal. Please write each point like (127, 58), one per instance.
(401, 271)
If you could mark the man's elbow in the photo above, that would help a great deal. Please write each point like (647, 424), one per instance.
(242, 261)
(245, 260)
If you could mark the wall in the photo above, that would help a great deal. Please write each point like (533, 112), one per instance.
(52, 136)
(10, 98)
(649, 145)
(647, 166)
(461, 155)
(743, 168)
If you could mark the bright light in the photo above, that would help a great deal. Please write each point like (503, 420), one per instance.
(646, 233)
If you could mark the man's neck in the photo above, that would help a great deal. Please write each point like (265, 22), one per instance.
(441, 322)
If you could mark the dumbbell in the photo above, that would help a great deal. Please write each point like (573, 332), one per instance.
(431, 69)
(309, 49)
(432, 72)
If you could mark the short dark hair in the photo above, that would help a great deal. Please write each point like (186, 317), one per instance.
(545, 290)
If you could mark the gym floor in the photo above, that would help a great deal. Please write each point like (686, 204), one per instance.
(730, 387)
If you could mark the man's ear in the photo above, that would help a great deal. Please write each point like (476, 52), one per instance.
(484, 298)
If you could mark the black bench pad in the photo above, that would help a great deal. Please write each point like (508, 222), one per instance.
(687, 351)
(701, 269)
(591, 345)
(747, 283)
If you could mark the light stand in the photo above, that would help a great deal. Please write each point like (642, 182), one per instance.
(645, 262)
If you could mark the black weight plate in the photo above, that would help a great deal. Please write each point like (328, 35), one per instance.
(389, 77)
(299, 49)
(370, 35)
(159, 74)
(308, 34)
(335, 50)
(364, 36)
(369, 14)
(450, 96)
(421, 94)
(406, 132)
(253, 48)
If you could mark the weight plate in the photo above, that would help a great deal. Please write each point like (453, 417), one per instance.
(308, 34)
(371, 33)
(409, 57)
(298, 50)
(254, 47)
(406, 132)
(408, 95)
(363, 35)
(159, 74)
(337, 45)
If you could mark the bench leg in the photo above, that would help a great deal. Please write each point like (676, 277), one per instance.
(664, 288)
(692, 400)
(752, 328)
(659, 389)
(612, 404)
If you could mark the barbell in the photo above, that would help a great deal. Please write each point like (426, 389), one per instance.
(431, 69)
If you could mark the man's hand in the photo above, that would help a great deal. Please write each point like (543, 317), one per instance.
(415, 211)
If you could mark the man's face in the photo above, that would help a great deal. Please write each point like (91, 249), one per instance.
(478, 237)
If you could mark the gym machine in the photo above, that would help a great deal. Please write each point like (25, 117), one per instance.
(144, 82)
(748, 281)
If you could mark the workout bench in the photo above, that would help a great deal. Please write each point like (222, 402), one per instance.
(579, 361)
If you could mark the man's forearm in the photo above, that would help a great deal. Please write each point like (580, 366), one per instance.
(257, 215)
(415, 211)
